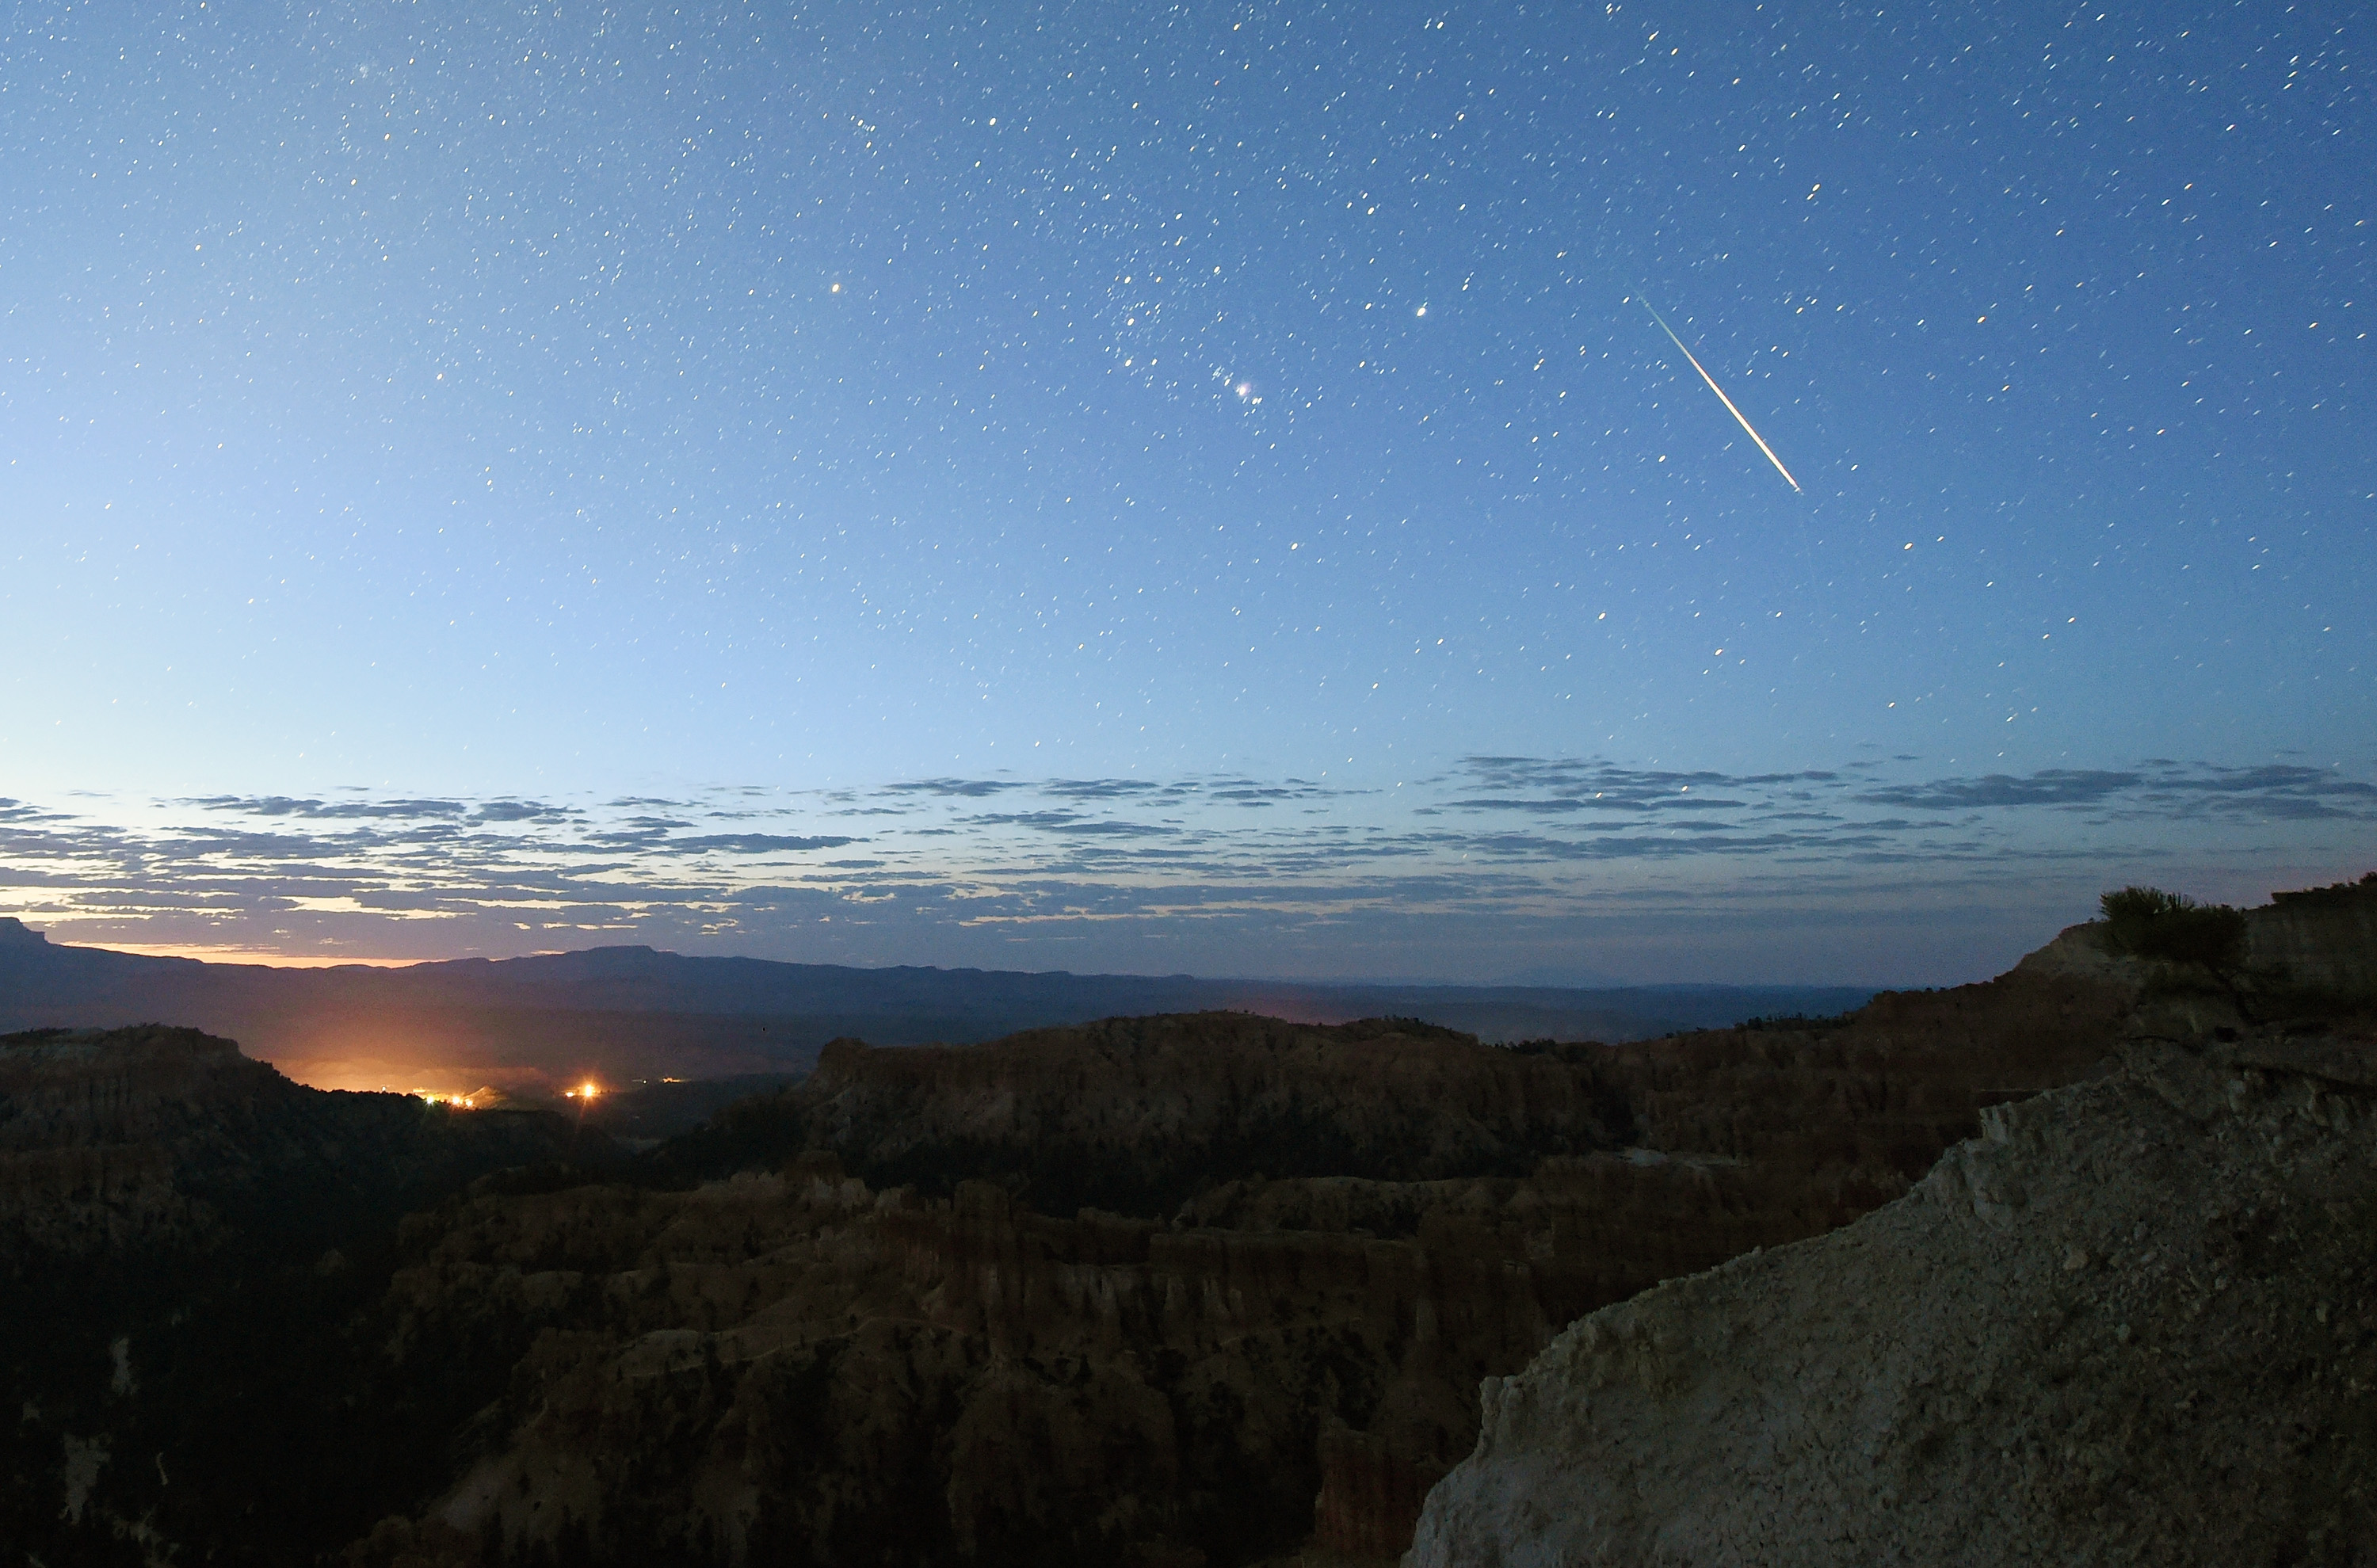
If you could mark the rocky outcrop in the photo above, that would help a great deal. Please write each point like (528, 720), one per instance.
(165, 1137)
(2135, 1322)
(2312, 950)
(1879, 1092)
(1139, 1114)
(95, 1126)
(1142, 1113)
(2320, 940)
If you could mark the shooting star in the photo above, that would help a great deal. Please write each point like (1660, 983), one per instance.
(1721, 397)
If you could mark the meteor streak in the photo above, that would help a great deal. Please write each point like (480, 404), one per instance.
(1721, 397)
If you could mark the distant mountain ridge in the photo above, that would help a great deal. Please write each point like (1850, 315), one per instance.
(636, 1013)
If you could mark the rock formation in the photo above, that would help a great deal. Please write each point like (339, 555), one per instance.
(2134, 1322)
(1196, 1288)
(2323, 940)
(185, 1236)
(1209, 1289)
(160, 1138)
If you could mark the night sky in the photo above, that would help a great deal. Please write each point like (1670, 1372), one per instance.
(1193, 488)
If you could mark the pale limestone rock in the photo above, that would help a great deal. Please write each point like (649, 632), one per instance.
(1936, 1385)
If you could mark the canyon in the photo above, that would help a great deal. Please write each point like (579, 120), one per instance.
(1207, 1287)
(1190, 1289)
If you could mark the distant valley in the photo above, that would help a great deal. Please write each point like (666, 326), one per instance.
(624, 1013)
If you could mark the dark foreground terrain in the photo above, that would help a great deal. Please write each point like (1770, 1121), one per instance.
(1198, 1288)
(189, 1247)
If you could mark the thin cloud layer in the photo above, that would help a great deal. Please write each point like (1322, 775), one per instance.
(1508, 855)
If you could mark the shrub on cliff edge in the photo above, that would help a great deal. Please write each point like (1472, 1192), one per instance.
(2150, 923)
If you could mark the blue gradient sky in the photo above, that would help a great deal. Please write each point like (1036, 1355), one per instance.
(1198, 477)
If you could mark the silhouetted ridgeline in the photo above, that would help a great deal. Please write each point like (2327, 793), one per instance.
(630, 1013)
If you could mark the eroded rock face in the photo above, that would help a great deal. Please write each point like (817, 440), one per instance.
(93, 1128)
(790, 1364)
(180, 1235)
(2319, 939)
(2135, 1322)
(1139, 1114)
(1334, 1235)
(161, 1137)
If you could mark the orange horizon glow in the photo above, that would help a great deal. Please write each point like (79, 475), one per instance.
(269, 958)
(257, 957)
